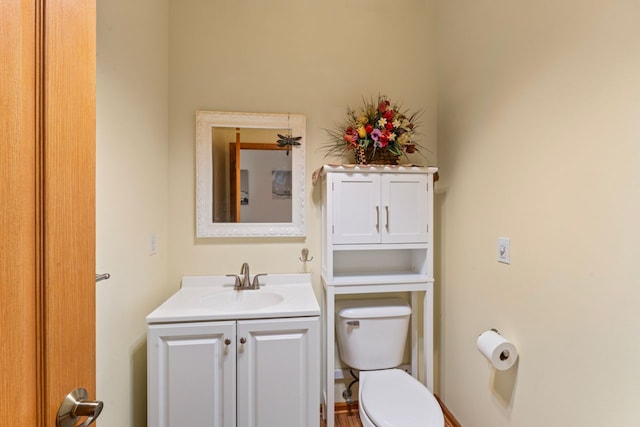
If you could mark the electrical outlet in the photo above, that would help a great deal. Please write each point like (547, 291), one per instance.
(504, 250)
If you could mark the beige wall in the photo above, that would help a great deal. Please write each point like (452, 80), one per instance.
(311, 58)
(159, 62)
(131, 197)
(539, 141)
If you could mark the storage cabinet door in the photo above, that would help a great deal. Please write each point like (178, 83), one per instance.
(279, 373)
(192, 375)
(356, 212)
(404, 208)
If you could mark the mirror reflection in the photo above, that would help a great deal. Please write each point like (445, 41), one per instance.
(250, 174)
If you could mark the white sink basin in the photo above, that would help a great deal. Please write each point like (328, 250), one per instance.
(206, 298)
(241, 300)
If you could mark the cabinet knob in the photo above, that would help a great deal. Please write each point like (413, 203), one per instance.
(227, 341)
(243, 340)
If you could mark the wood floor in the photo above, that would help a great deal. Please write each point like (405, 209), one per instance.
(352, 419)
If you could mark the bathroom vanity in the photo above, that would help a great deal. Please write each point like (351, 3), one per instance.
(235, 358)
(377, 237)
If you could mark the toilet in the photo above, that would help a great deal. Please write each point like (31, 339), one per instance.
(371, 338)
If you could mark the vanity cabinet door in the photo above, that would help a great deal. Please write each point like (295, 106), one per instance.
(278, 372)
(192, 369)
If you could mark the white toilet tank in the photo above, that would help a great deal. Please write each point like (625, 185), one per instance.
(372, 333)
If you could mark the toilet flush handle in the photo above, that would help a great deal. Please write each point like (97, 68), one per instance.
(353, 322)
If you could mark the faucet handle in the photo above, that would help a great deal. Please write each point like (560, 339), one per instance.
(256, 281)
(238, 282)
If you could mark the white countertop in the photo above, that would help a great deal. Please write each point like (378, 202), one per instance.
(210, 298)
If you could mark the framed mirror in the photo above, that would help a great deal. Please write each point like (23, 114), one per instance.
(247, 183)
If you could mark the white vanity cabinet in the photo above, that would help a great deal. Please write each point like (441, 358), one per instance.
(241, 373)
(222, 357)
(377, 237)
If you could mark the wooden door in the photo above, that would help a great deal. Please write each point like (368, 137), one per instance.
(234, 181)
(235, 175)
(47, 194)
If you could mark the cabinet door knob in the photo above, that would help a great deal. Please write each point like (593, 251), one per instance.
(243, 340)
(227, 341)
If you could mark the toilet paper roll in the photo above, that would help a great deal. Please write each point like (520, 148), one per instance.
(497, 349)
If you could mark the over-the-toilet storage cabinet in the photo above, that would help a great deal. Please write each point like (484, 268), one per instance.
(377, 237)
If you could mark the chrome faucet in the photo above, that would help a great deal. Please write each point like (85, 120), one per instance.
(244, 272)
(245, 281)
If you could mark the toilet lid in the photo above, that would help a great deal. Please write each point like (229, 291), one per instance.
(393, 398)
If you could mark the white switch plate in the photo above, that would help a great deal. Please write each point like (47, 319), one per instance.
(153, 244)
(504, 250)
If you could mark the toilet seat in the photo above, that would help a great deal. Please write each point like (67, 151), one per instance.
(393, 398)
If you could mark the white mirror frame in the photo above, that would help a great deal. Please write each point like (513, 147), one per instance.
(205, 122)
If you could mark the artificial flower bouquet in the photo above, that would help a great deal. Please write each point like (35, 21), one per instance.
(380, 132)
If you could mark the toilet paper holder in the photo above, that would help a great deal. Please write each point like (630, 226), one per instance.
(492, 330)
(504, 355)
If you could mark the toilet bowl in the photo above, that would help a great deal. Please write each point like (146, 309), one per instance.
(371, 338)
(393, 398)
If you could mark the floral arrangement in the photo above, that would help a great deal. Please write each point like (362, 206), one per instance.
(379, 126)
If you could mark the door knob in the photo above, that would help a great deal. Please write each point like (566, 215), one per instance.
(243, 340)
(75, 406)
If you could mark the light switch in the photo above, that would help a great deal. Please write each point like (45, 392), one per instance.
(153, 244)
(504, 250)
